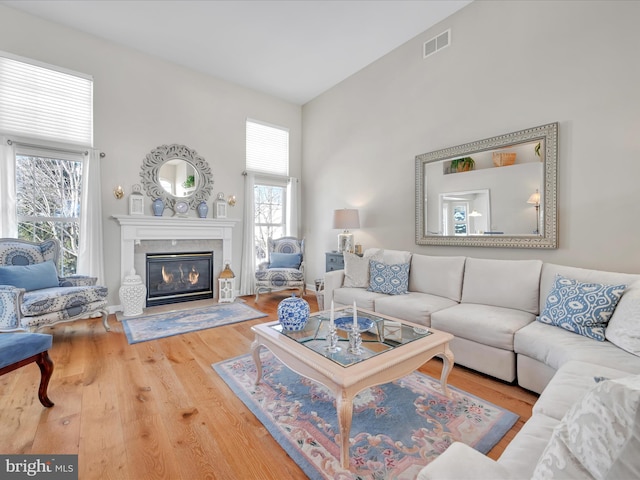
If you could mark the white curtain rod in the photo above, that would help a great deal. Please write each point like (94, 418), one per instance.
(55, 149)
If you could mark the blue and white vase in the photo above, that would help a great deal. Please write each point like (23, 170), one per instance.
(293, 313)
(158, 207)
(203, 209)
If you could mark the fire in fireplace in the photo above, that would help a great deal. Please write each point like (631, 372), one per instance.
(179, 277)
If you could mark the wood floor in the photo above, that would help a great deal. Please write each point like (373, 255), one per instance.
(157, 410)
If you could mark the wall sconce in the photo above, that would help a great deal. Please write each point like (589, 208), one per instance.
(345, 219)
(534, 199)
(118, 192)
(231, 200)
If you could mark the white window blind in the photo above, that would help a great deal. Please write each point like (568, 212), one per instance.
(267, 148)
(44, 101)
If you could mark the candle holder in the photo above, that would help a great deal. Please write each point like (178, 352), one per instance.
(355, 342)
(332, 340)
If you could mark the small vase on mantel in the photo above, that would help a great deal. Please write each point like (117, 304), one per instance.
(203, 209)
(158, 207)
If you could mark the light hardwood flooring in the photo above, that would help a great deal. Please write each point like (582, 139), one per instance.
(157, 410)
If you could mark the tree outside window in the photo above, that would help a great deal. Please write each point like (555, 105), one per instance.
(49, 192)
(270, 216)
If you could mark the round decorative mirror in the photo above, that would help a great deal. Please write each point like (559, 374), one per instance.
(176, 172)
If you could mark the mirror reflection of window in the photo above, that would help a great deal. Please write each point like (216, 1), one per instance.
(178, 178)
(167, 185)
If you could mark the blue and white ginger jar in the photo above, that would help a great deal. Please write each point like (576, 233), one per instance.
(293, 313)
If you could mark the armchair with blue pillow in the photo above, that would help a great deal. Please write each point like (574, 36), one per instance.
(33, 296)
(284, 268)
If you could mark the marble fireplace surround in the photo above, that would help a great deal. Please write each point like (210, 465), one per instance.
(142, 234)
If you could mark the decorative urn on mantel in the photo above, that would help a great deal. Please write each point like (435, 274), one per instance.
(293, 313)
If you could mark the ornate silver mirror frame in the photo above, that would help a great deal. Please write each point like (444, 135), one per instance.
(546, 233)
(149, 173)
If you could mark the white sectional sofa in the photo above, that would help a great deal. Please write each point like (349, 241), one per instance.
(491, 307)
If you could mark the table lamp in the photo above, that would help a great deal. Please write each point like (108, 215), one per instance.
(345, 219)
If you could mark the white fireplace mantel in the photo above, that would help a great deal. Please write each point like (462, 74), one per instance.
(135, 228)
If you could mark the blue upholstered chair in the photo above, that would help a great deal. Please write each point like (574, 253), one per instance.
(284, 268)
(33, 296)
(19, 349)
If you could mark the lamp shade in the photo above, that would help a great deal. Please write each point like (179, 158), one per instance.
(534, 198)
(346, 218)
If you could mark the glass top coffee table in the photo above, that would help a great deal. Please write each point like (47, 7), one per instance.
(391, 349)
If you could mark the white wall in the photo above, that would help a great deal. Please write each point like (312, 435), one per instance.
(510, 66)
(140, 103)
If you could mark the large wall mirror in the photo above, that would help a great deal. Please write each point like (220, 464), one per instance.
(497, 192)
(175, 172)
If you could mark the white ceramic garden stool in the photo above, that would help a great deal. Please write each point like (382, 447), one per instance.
(132, 294)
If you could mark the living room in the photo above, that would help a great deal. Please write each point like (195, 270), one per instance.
(510, 66)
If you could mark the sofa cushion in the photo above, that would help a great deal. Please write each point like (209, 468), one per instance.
(440, 276)
(364, 298)
(599, 437)
(502, 283)
(30, 277)
(356, 268)
(285, 260)
(48, 300)
(391, 257)
(485, 324)
(414, 307)
(522, 453)
(550, 270)
(569, 385)
(554, 346)
(624, 328)
(388, 279)
(582, 308)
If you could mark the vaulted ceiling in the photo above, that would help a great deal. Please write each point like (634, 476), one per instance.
(292, 49)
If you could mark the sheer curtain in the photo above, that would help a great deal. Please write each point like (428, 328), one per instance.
(293, 209)
(90, 255)
(247, 274)
(8, 219)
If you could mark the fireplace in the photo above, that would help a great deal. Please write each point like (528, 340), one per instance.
(178, 277)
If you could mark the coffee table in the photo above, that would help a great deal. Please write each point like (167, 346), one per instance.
(391, 348)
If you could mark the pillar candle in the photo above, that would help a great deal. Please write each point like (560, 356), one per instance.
(355, 316)
(331, 317)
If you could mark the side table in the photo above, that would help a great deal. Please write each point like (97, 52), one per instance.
(334, 261)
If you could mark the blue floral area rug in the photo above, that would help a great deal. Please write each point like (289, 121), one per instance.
(397, 428)
(160, 325)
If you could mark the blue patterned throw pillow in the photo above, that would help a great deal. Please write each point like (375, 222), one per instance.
(389, 279)
(582, 308)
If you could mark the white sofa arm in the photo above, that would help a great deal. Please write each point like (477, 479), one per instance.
(332, 280)
(461, 462)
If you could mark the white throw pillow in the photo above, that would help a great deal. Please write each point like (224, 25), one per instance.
(624, 327)
(598, 437)
(356, 269)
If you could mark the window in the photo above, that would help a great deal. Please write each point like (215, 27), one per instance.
(44, 101)
(49, 110)
(268, 158)
(267, 148)
(270, 208)
(48, 196)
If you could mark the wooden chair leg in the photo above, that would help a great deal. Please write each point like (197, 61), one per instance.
(46, 369)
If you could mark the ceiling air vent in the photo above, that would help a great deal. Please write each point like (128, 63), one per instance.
(437, 43)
